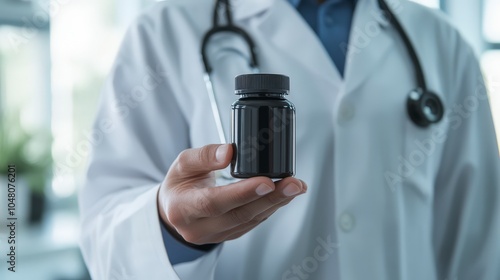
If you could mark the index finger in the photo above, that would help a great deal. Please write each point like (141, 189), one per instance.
(202, 160)
(216, 201)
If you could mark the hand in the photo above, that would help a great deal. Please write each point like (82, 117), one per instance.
(191, 205)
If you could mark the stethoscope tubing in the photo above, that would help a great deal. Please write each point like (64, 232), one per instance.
(417, 110)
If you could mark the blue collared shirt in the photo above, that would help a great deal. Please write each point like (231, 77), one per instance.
(331, 21)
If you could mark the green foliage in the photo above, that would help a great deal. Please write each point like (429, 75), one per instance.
(29, 151)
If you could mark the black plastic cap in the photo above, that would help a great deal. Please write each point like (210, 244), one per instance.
(262, 83)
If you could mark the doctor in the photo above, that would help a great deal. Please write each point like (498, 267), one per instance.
(375, 195)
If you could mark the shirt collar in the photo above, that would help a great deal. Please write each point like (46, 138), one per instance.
(296, 3)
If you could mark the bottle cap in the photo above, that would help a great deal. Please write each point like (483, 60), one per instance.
(262, 83)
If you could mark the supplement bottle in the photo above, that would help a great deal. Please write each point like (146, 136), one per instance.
(263, 127)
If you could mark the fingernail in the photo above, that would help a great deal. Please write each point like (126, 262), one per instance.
(304, 186)
(291, 190)
(221, 152)
(263, 189)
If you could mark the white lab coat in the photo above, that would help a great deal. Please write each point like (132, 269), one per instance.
(386, 199)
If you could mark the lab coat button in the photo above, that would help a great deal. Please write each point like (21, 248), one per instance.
(346, 113)
(346, 222)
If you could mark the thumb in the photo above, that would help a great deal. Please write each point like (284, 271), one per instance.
(203, 160)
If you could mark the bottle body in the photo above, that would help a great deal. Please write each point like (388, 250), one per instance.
(263, 133)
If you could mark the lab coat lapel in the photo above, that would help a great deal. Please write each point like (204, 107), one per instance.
(368, 44)
(247, 8)
(369, 40)
(296, 40)
(299, 42)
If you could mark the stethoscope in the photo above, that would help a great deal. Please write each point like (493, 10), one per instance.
(423, 106)
(216, 29)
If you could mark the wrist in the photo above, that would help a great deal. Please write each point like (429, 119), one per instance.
(180, 239)
(173, 232)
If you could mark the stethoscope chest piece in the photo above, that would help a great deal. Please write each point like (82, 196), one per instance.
(424, 107)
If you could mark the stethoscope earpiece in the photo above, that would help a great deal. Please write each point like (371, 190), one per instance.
(424, 107)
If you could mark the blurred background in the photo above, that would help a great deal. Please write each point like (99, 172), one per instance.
(54, 57)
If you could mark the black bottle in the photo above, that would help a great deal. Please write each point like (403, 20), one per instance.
(263, 127)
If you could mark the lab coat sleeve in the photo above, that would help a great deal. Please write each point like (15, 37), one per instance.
(138, 132)
(467, 191)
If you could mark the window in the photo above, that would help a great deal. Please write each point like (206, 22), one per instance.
(491, 21)
(490, 58)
